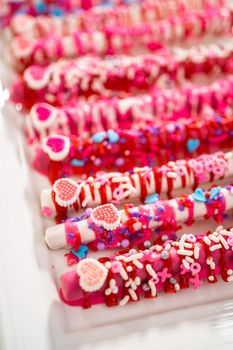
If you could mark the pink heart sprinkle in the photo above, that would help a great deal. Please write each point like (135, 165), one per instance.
(56, 144)
(43, 113)
(46, 211)
(37, 72)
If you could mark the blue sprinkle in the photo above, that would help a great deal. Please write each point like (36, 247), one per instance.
(82, 251)
(99, 137)
(152, 199)
(113, 136)
(57, 12)
(199, 195)
(40, 7)
(193, 144)
(77, 162)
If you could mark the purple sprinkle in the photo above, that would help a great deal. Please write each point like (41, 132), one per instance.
(125, 243)
(119, 161)
(100, 246)
(97, 161)
(88, 212)
(100, 229)
(157, 218)
(161, 209)
(171, 128)
(181, 207)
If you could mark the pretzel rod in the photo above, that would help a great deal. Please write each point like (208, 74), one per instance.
(169, 267)
(86, 118)
(26, 50)
(98, 19)
(13, 8)
(67, 195)
(123, 150)
(68, 79)
(112, 228)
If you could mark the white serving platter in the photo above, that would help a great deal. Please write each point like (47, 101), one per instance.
(33, 317)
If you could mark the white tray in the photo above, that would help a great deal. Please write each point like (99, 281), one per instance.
(31, 314)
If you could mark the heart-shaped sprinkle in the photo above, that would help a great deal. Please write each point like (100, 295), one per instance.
(199, 195)
(57, 147)
(66, 192)
(152, 199)
(113, 136)
(214, 192)
(81, 253)
(106, 216)
(43, 115)
(99, 137)
(192, 145)
(36, 77)
(92, 274)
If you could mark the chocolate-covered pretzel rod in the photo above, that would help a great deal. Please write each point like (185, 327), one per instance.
(66, 80)
(112, 228)
(169, 267)
(27, 50)
(67, 195)
(123, 150)
(93, 19)
(86, 118)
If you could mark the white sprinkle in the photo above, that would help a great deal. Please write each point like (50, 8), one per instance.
(108, 265)
(230, 272)
(182, 240)
(124, 301)
(185, 252)
(215, 247)
(156, 247)
(211, 278)
(188, 245)
(168, 246)
(196, 252)
(138, 264)
(138, 281)
(129, 268)
(224, 242)
(133, 257)
(207, 240)
(151, 271)
(112, 283)
(123, 273)
(133, 294)
(190, 260)
(152, 288)
(186, 264)
(107, 291)
(214, 238)
(177, 287)
(230, 279)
